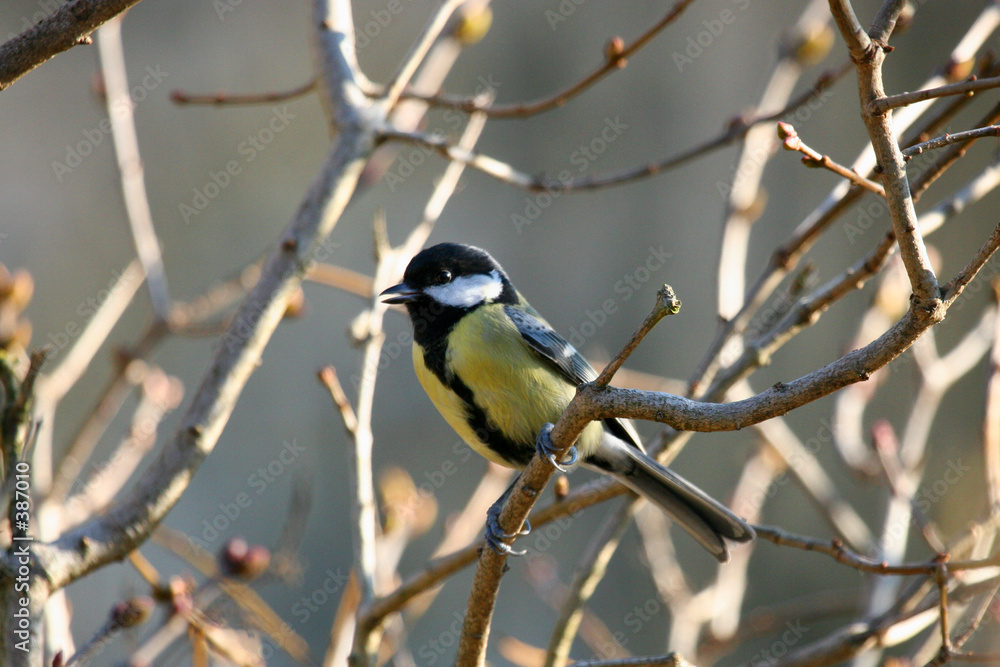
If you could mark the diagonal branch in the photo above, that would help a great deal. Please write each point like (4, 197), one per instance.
(512, 176)
(130, 521)
(69, 26)
(616, 57)
(486, 585)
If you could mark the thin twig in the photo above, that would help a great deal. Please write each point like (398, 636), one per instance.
(968, 87)
(667, 303)
(616, 57)
(792, 142)
(328, 377)
(508, 174)
(836, 550)
(950, 155)
(342, 279)
(945, 140)
(222, 98)
(416, 56)
(130, 169)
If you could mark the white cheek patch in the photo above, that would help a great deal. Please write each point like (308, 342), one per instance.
(468, 291)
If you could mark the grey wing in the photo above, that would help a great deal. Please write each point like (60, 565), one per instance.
(544, 340)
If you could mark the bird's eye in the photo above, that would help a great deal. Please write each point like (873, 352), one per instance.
(444, 276)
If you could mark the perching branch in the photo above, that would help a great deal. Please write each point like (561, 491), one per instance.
(486, 585)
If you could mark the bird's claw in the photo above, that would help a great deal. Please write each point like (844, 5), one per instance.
(496, 536)
(547, 450)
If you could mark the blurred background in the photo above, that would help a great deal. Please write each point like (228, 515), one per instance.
(65, 223)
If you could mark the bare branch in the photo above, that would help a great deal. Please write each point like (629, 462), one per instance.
(885, 20)
(416, 56)
(486, 584)
(947, 139)
(791, 141)
(836, 550)
(590, 570)
(130, 521)
(858, 42)
(512, 176)
(223, 98)
(669, 660)
(130, 169)
(328, 377)
(968, 87)
(616, 57)
(69, 26)
(868, 57)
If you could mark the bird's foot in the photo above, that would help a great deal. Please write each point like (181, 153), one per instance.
(547, 450)
(496, 537)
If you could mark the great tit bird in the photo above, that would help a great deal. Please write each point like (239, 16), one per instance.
(498, 373)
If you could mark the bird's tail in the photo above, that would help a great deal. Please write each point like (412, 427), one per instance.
(706, 519)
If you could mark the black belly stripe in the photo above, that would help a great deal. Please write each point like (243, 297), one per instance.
(515, 454)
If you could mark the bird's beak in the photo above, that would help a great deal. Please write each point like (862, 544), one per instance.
(401, 293)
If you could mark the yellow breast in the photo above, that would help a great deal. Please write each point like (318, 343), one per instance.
(517, 389)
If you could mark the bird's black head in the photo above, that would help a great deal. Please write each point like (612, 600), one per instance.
(452, 275)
